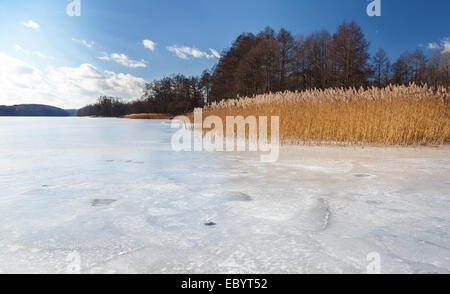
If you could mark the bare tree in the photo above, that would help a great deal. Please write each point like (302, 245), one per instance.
(418, 63)
(381, 67)
(259, 70)
(297, 77)
(318, 63)
(286, 45)
(350, 54)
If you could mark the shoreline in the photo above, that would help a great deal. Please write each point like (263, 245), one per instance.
(148, 116)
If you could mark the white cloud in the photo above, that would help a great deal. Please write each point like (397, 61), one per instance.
(67, 87)
(186, 52)
(31, 24)
(33, 53)
(215, 53)
(123, 60)
(149, 45)
(84, 42)
(433, 45)
(444, 45)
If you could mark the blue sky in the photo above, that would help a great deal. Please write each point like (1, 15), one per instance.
(103, 49)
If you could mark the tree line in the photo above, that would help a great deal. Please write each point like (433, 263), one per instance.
(171, 95)
(278, 61)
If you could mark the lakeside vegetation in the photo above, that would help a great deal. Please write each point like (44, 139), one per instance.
(325, 88)
(395, 115)
(271, 62)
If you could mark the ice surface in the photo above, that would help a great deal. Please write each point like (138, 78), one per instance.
(111, 195)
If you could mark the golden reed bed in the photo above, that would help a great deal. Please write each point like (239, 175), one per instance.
(395, 115)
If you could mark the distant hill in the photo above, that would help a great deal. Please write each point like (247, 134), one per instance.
(32, 110)
(72, 112)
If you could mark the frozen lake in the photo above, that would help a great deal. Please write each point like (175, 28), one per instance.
(109, 196)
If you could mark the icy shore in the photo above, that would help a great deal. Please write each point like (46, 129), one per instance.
(96, 196)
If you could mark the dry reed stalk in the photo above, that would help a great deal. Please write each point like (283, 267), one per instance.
(395, 115)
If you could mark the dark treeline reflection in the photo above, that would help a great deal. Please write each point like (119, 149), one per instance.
(278, 61)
